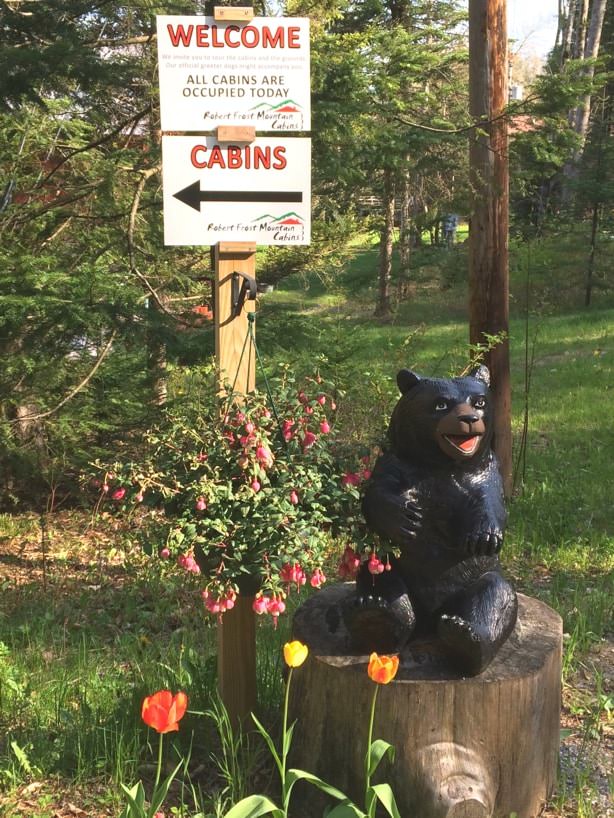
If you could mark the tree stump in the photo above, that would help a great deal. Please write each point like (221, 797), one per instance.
(476, 747)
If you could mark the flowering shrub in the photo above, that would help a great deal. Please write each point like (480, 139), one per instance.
(250, 493)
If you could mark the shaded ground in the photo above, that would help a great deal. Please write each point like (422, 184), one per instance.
(74, 554)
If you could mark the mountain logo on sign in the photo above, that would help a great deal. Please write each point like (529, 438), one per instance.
(288, 106)
(286, 218)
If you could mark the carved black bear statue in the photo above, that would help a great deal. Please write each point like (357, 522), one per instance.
(436, 496)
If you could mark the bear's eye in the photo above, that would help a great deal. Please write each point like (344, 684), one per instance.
(479, 403)
(441, 405)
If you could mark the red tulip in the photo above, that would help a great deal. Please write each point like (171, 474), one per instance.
(163, 711)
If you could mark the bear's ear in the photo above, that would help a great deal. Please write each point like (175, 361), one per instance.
(406, 380)
(481, 373)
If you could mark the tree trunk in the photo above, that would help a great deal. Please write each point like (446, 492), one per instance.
(465, 747)
(579, 41)
(591, 51)
(383, 308)
(591, 259)
(156, 361)
(488, 236)
(405, 236)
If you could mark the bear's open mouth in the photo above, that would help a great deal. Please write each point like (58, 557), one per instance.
(465, 443)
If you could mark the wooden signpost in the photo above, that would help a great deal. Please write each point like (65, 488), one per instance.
(221, 79)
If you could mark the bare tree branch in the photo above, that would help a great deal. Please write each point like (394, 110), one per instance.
(74, 391)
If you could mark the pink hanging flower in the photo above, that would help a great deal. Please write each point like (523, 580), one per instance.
(264, 457)
(308, 440)
(375, 565)
(260, 605)
(118, 494)
(317, 578)
(321, 399)
(165, 553)
(293, 574)
(286, 430)
(201, 504)
(349, 564)
(325, 427)
(294, 498)
(255, 486)
(350, 479)
(139, 497)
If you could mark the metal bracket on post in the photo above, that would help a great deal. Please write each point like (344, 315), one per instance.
(242, 290)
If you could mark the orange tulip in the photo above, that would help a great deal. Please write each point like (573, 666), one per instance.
(295, 653)
(162, 711)
(382, 669)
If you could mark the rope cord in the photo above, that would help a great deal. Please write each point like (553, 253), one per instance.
(251, 338)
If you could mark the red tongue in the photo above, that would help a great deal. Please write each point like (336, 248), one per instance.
(464, 443)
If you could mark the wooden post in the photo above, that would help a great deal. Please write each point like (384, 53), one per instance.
(488, 236)
(235, 359)
(231, 332)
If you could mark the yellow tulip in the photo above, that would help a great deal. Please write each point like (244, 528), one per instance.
(295, 653)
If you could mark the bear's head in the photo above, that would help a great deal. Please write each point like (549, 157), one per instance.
(438, 421)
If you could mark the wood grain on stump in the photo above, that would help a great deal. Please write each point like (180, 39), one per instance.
(465, 747)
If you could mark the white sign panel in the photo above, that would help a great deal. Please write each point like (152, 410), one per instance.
(221, 73)
(215, 191)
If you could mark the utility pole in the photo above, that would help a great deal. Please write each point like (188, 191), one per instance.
(488, 237)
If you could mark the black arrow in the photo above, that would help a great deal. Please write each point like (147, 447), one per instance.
(192, 195)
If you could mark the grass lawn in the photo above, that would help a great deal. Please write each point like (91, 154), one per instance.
(87, 628)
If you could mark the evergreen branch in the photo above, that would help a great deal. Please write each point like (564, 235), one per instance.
(509, 112)
(96, 142)
(143, 39)
(74, 391)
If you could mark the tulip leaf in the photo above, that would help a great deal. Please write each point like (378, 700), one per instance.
(378, 749)
(161, 791)
(253, 806)
(269, 741)
(386, 797)
(300, 775)
(136, 801)
(287, 739)
(345, 810)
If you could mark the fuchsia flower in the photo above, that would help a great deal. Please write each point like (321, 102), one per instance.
(321, 399)
(201, 504)
(165, 553)
(188, 562)
(264, 456)
(351, 478)
(249, 427)
(260, 604)
(139, 497)
(275, 607)
(375, 565)
(118, 494)
(294, 498)
(324, 427)
(308, 440)
(317, 578)
(220, 604)
(293, 574)
(349, 564)
(286, 430)
(255, 486)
